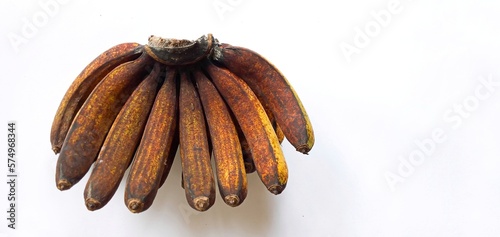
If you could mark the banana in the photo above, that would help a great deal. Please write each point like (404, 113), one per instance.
(137, 105)
(247, 154)
(274, 123)
(230, 170)
(274, 91)
(171, 156)
(199, 184)
(153, 151)
(266, 151)
(93, 121)
(245, 149)
(121, 142)
(279, 132)
(83, 85)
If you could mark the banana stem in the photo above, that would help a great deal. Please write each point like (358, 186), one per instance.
(179, 52)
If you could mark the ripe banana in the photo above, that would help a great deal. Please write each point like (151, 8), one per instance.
(273, 90)
(171, 155)
(197, 172)
(279, 132)
(274, 123)
(247, 156)
(252, 118)
(151, 156)
(137, 105)
(93, 121)
(83, 85)
(245, 148)
(120, 143)
(230, 170)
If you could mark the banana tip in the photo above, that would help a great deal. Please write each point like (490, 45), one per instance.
(63, 184)
(56, 150)
(232, 200)
(135, 206)
(201, 203)
(276, 189)
(249, 167)
(304, 149)
(92, 204)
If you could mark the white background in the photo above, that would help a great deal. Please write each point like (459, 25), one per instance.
(406, 80)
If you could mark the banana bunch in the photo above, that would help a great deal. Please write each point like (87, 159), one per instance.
(136, 105)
